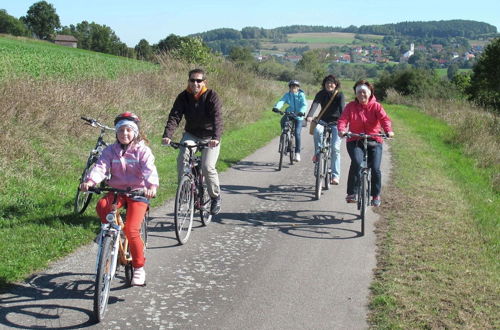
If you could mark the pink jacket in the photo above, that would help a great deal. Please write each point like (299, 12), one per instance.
(132, 168)
(369, 119)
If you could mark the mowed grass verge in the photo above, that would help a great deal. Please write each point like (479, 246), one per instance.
(439, 238)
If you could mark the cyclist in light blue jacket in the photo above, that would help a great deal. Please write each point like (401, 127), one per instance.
(297, 103)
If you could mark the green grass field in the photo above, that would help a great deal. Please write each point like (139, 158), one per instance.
(439, 241)
(40, 59)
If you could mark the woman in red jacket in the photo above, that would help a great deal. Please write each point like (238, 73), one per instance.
(364, 115)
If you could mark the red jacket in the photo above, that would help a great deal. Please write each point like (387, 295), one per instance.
(369, 119)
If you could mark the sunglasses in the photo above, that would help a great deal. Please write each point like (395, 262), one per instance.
(199, 81)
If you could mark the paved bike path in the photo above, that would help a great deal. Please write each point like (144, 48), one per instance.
(273, 259)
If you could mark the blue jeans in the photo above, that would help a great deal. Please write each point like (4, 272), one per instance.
(298, 131)
(334, 147)
(356, 152)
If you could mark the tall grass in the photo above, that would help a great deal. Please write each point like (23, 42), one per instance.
(44, 145)
(476, 129)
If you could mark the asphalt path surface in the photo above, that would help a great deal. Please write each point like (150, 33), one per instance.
(274, 258)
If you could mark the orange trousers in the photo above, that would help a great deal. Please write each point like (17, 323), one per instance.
(135, 215)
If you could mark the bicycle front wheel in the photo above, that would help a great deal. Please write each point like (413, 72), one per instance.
(184, 208)
(205, 203)
(364, 198)
(103, 278)
(282, 148)
(291, 147)
(328, 171)
(319, 176)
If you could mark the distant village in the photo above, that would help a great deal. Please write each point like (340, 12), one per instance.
(374, 54)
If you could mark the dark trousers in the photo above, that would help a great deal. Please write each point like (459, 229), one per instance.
(356, 152)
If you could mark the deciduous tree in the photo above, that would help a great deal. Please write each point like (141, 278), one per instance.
(42, 20)
(485, 82)
(11, 25)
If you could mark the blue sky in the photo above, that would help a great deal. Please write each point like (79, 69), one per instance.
(153, 20)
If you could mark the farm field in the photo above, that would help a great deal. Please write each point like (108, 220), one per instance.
(318, 40)
(339, 38)
(22, 57)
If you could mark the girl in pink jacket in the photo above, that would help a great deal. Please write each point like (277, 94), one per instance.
(364, 115)
(127, 163)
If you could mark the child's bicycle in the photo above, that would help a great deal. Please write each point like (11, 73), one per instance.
(82, 199)
(192, 193)
(113, 250)
(287, 137)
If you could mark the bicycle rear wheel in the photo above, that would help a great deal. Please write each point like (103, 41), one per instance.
(319, 176)
(184, 209)
(103, 278)
(205, 203)
(82, 199)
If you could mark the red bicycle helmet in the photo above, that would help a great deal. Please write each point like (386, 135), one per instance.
(127, 116)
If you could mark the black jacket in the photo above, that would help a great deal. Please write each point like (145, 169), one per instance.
(332, 114)
(203, 116)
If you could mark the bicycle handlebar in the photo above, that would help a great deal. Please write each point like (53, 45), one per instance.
(128, 191)
(94, 123)
(177, 145)
(290, 114)
(366, 136)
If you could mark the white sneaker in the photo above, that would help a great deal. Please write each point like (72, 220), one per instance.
(297, 157)
(139, 278)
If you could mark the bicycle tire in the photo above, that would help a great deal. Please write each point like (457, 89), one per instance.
(103, 278)
(82, 199)
(129, 274)
(319, 177)
(364, 200)
(291, 147)
(205, 202)
(184, 209)
(328, 172)
(282, 148)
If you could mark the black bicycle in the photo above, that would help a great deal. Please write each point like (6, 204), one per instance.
(192, 193)
(287, 137)
(113, 249)
(363, 190)
(322, 167)
(82, 198)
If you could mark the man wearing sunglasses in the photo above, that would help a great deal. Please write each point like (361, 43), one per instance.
(202, 110)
